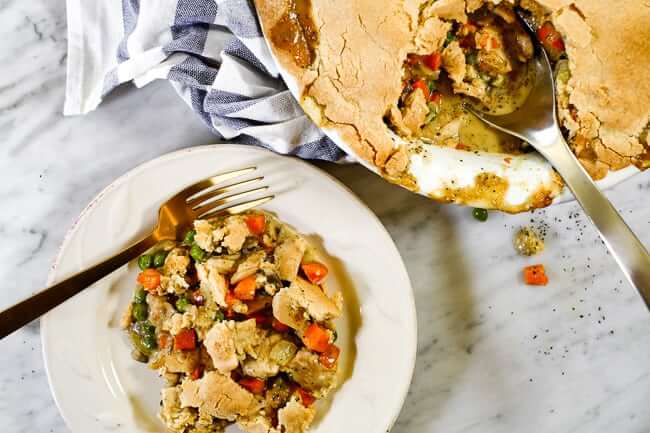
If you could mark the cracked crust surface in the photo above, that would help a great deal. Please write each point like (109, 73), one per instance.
(355, 79)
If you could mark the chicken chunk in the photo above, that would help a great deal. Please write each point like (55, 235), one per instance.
(263, 365)
(288, 256)
(294, 417)
(160, 311)
(229, 342)
(206, 236)
(236, 233)
(176, 262)
(453, 60)
(175, 418)
(291, 303)
(306, 369)
(248, 267)
(415, 111)
(181, 361)
(212, 282)
(219, 396)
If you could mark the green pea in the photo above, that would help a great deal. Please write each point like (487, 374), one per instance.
(140, 312)
(189, 237)
(144, 328)
(136, 340)
(149, 341)
(144, 262)
(218, 316)
(480, 214)
(450, 37)
(197, 253)
(182, 303)
(159, 259)
(140, 296)
(472, 59)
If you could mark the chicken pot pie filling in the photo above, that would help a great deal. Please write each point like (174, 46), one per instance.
(388, 82)
(236, 318)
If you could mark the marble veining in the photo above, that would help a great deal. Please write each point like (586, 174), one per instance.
(494, 355)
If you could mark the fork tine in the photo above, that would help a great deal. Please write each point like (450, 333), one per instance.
(238, 208)
(212, 181)
(203, 196)
(207, 205)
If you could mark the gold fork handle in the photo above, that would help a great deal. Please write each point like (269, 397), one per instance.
(625, 247)
(22, 313)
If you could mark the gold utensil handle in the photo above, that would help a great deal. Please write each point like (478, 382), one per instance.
(35, 306)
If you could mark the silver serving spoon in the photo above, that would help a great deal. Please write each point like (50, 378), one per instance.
(536, 122)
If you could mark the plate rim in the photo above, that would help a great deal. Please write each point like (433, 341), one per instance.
(126, 176)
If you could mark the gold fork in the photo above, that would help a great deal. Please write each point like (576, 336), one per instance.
(175, 218)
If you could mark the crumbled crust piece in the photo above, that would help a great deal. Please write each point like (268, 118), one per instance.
(219, 396)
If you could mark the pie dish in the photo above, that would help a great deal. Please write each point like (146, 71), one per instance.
(356, 69)
(95, 382)
(237, 321)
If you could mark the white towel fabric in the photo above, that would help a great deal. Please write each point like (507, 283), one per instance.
(213, 53)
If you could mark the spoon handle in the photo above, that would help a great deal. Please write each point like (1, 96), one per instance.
(625, 247)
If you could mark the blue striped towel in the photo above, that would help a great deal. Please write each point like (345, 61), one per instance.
(213, 53)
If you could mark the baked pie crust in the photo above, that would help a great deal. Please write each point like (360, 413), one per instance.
(347, 60)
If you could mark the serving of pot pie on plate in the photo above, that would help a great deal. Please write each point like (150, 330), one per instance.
(237, 320)
(387, 81)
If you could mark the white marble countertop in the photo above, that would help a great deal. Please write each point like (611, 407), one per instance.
(494, 355)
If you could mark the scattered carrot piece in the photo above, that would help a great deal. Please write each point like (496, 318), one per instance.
(306, 397)
(245, 289)
(329, 357)
(315, 272)
(433, 61)
(253, 384)
(316, 338)
(535, 275)
(185, 340)
(256, 224)
(163, 339)
(422, 85)
(149, 279)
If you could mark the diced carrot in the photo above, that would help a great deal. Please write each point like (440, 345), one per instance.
(315, 272)
(279, 326)
(422, 85)
(245, 289)
(535, 275)
(163, 339)
(256, 224)
(435, 97)
(433, 61)
(230, 298)
(316, 338)
(253, 384)
(197, 372)
(494, 43)
(185, 340)
(307, 398)
(149, 279)
(330, 356)
(461, 146)
(551, 39)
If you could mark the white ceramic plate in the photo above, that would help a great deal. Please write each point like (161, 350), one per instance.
(96, 385)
